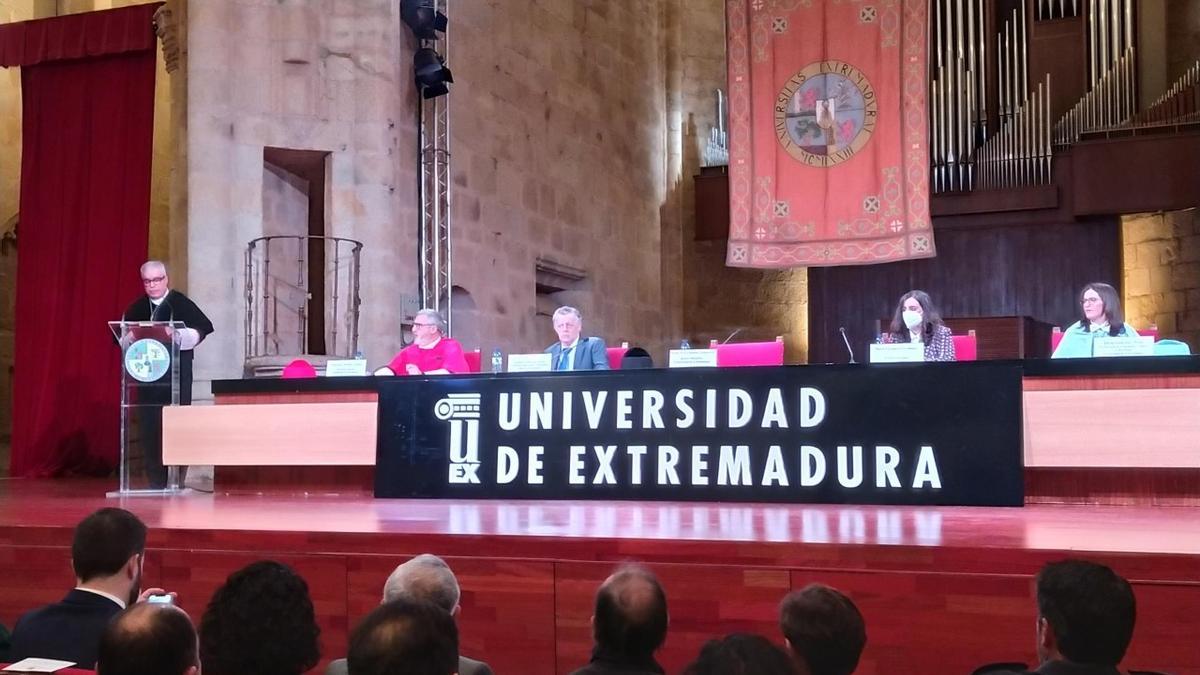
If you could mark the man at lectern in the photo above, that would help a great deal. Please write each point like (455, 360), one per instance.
(163, 304)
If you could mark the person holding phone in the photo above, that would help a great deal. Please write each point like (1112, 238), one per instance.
(107, 552)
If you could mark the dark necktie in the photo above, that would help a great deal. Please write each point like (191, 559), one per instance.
(564, 358)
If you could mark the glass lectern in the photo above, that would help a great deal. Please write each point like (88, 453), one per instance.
(149, 381)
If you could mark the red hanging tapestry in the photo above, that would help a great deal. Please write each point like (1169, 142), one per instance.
(828, 157)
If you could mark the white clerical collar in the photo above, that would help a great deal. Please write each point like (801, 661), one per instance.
(915, 335)
(1100, 327)
(431, 345)
(120, 602)
(159, 301)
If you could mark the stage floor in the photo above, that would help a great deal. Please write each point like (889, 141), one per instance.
(529, 569)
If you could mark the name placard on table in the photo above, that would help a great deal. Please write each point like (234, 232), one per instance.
(1142, 345)
(346, 368)
(529, 363)
(692, 358)
(899, 352)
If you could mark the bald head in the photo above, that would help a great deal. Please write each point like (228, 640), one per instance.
(631, 613)
(425, 578)
(149, 639)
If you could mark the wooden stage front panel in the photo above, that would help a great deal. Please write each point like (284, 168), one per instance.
(942, 589)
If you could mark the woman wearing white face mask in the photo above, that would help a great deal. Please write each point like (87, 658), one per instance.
(918, 320)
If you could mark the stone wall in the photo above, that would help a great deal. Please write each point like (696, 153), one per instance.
(322, 75)
(561, 114)
(1162, 273)
(717, 299)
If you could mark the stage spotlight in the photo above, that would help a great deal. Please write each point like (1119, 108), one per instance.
(423, 18)
(433, 77)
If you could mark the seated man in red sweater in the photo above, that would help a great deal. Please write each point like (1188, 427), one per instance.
(430, 353)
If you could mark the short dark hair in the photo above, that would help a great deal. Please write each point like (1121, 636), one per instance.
(404, 636)
(105, 541)
(260, 622)
(1090, 609)
(148, 639)
(740, 654)
(824, 628)
(631, 613)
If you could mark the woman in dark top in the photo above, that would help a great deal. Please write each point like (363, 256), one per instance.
(918, 320)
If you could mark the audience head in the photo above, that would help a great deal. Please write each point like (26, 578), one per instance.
(260, 622)
(824, 630)
(149, 639)
(1099, 303)
(740, 654)
(403, 636)
(107, 550)
(915, 311)
(425, 578)
(630, 619)
(155, 279)
(428, 326)
(568, 323)
(1085, 613)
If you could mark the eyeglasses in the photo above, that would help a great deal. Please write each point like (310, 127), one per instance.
(1090, 301)
(424, 325)
(155, 280)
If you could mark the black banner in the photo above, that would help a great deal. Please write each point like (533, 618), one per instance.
(883, 434)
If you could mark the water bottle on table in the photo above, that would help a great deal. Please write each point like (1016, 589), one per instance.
(497, 361)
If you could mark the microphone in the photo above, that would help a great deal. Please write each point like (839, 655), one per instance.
(846, 340)
(735, 332)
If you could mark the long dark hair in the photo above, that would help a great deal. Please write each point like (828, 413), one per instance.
(931, 317)
(1112, 308)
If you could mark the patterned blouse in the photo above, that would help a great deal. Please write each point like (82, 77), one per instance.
(940, 347)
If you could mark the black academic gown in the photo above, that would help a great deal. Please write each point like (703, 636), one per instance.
(175, 307)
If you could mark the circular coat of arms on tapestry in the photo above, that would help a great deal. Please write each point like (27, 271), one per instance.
(826, 113)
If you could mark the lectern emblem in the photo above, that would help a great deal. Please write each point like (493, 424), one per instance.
(462, 411)
(147, 360)
(826, 113)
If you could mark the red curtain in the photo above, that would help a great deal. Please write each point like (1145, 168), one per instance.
(88, 104)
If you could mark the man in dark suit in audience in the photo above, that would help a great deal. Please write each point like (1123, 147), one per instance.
(403, 636)
(149, 639)
(1085, 620)
(629, 624)
(823, 629)
(106, 554)
(573, 352)
(425, 578)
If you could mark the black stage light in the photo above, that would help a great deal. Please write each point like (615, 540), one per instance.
(433, 77)
(423, 18)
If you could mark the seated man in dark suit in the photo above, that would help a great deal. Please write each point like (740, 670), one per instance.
(425, 578)
(572, 352)
(1085, 620)
(106, 554)
(823, 629)
(402, 636)
(149, 639)
(629, 624)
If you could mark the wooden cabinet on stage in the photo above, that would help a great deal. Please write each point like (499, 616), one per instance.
(1006, 337)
